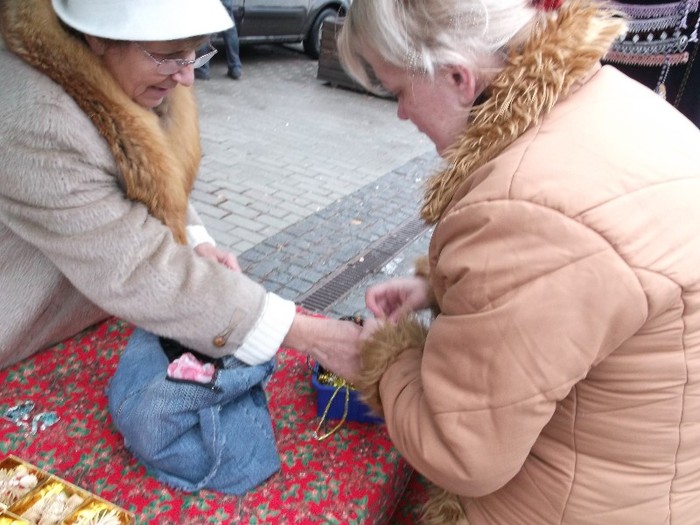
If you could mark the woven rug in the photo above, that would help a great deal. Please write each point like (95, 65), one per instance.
(355, 476)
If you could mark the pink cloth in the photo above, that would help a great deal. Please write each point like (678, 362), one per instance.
(188, 367)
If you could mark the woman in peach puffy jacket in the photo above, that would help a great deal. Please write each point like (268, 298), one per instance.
(558, 381)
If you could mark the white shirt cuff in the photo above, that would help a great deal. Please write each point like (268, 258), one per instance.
(263, 341)
(197, 234)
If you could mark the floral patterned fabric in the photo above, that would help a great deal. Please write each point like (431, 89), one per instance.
(355, 476)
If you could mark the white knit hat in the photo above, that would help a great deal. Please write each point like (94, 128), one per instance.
(144, 20)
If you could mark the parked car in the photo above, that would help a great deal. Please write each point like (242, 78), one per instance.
(286, 21)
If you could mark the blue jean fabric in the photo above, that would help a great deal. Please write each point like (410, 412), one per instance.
(231, 44)
(189, 435)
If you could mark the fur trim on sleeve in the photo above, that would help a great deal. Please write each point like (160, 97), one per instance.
(380, 351)
(443, 508)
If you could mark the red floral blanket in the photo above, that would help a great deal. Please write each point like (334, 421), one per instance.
(353, 477)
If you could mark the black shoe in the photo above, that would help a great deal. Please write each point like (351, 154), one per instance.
(235, 73)
(201, 75)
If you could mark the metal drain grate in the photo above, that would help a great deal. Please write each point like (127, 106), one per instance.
(340, 282)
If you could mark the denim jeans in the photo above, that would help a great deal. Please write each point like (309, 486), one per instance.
(231, 44)
(191, 435)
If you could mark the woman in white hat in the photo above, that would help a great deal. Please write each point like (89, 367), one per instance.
(99, 148)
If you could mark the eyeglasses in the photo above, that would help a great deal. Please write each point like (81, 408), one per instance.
(170, 66)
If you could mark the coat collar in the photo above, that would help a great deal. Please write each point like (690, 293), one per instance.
(157, 152)
(561, 52)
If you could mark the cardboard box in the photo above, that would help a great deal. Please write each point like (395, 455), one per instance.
(29, 494)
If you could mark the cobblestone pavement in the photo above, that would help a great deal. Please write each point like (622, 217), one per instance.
(304, 181)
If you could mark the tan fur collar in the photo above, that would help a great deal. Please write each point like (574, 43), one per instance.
(560, 53)
(158, 153)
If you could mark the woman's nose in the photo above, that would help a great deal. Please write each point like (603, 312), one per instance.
(184, 76)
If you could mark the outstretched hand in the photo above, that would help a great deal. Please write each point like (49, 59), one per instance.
(393, 299)
(333, 344)
(209, 251)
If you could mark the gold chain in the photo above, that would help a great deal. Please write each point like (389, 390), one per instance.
(339, 384)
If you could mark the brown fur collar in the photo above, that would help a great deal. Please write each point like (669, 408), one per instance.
(157, 152)
(562, 50)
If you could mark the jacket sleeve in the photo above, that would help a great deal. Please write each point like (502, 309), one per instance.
(195, 230)
(530, 301)
(59, 192)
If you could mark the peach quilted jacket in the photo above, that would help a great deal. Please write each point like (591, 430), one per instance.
(561, 381)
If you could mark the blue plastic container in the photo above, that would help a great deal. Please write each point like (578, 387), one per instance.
(357, 410)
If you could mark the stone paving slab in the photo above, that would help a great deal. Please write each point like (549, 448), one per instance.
(298, 178)
(299, 257)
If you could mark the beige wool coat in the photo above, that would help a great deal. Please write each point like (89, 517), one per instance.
(560, 381)
(74, 247)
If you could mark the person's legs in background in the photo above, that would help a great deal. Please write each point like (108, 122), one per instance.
(231, 43)
(233, 59)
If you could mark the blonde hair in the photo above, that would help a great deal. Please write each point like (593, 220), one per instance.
(422, 35)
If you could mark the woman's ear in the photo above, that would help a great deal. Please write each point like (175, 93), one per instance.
(464, 82)
(96, 45)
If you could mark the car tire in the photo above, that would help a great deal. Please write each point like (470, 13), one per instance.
(312, 42)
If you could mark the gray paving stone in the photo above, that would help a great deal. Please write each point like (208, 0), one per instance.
(299, 178)
(215, 212)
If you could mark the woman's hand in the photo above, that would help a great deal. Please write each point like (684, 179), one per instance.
(209, 251)
(392, 299)
(333, 344)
